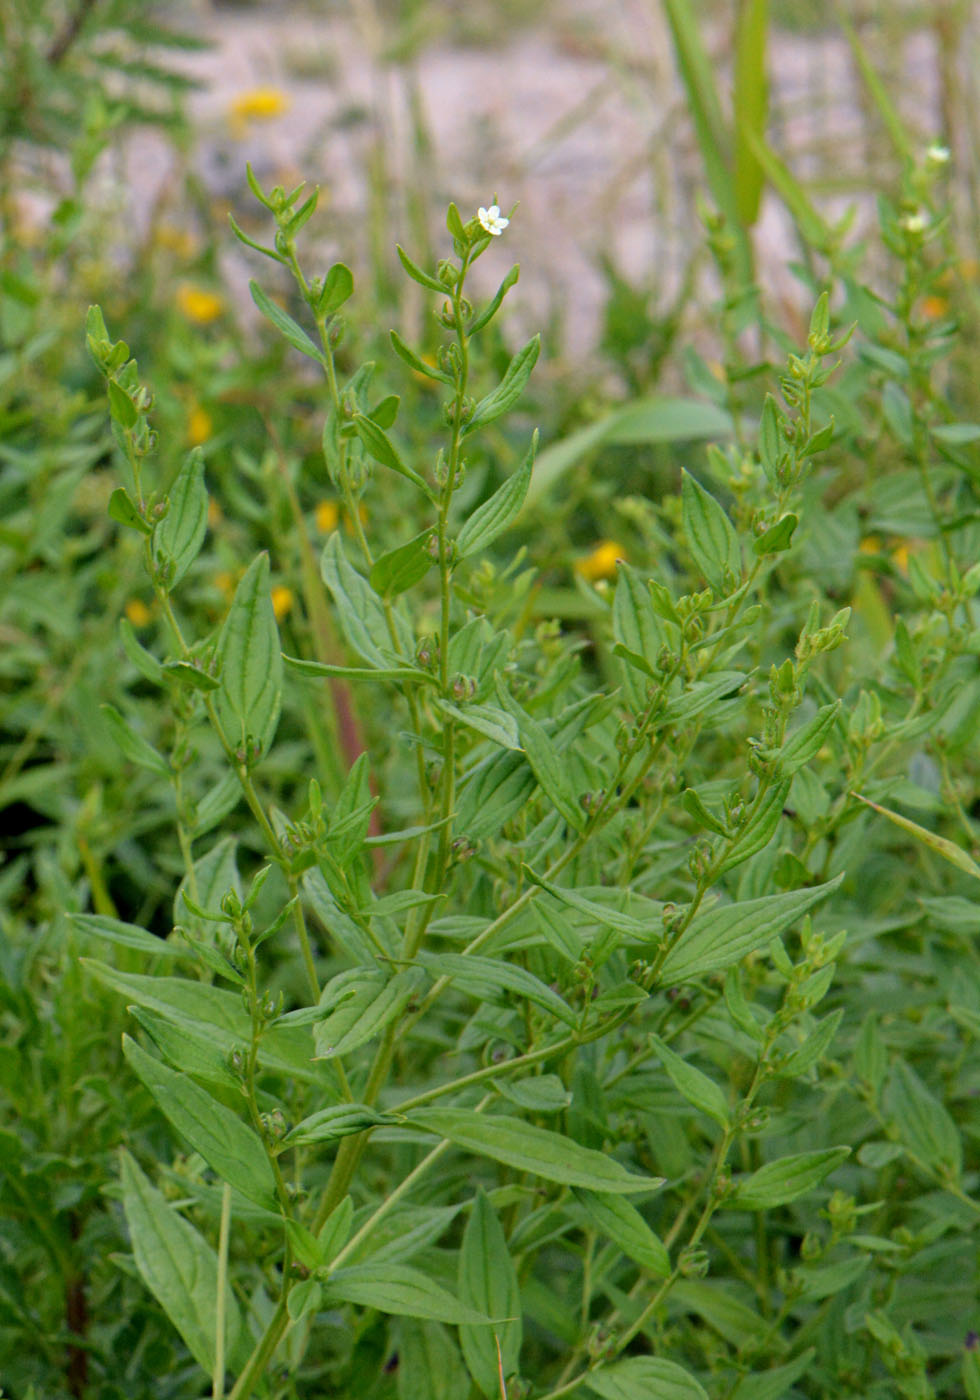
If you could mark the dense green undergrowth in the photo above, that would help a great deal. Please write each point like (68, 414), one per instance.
(484, 921)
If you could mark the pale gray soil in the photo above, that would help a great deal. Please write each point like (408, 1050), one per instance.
(576, 114)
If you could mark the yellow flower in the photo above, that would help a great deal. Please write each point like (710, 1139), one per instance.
(258, 104)
(870, 545)
(932, 307)
(199, 426)
(199, 305)
(214, 512)
(225, 583)
(282, 601)
(327, 514)
(601, 563)
(900, 557)
(137, 612)
(176, 240)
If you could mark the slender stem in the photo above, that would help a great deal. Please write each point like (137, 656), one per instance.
(218, 1381)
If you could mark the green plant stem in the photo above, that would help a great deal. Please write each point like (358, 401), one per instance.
(218, 1381)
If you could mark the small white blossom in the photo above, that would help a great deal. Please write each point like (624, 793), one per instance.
(913, 223)
(937, 154)
(491, 220)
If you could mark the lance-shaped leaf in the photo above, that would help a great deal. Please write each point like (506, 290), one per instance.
(124, 512)
(330, 1124)
(808, 740)
(415, 272)
(775, 1383)
(285, 324)
(495, 515)
(338, 287)
(644, 1378)
(178, 537)
(487, 314)
(128, 936)
(546, 764)
(692, 1084)
(490, 721)
(625, 1226)
(416, 363)
(727, 933)
(250, 662)
(178, 1266)
(402, 567)
(947, 849)
(383, 450)
(135, 748)
(406, 1292)
(711, 537)
(370, 1003)
(488, 1284)
(528, 1148)
(787, 1179)
(228, 1146)
(361, 612)
(493, 980)
(510, 388)
(921, 1121)
(429, 1365)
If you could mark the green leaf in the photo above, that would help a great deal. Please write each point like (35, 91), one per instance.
(429, 1365)
(711, 537)
(947, 849)
(144, 661)
(135, 748)
(920, 1121)
(779, 537)
(361, 612)
(750, 102)
(495, 515)
(509, 390)
(649, 420)
(528, 1148)
(415, 362)
(121, 406)
(185, 1049)
(605, 915)
(178, 1267)
(492, 980)
(727, 933)
(227, 1145)
(775, 1383)
(250, 659)
(396, 1288)
(127, 936)
(331, 1124)
(772, 443)
(323, 670)
(123, 510)
(759, 830)
(338, 287)
(402, 567)
(366, 1003)
(542, 1093)
(490, 721)
(285, 324)
(814, 1047)
(493, 306)
(625, 1226)
(808, 740)
(178, 537)
(695, 807)
(786, 1179)
(644, 1378)
(417, 275)
(383, 450)
(488, 1284)
(693, 1085)
(546, 765)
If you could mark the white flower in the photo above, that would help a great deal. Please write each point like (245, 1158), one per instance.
(491, 220)
(913, 223)
(937, 154)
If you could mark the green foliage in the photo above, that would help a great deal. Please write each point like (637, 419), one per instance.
(424, 975)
